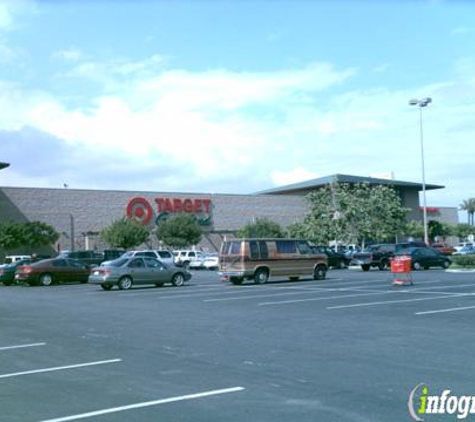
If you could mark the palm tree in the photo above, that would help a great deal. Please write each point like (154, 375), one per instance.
(469, 206)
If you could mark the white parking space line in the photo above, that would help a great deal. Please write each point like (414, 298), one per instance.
(388, 302)
(440, 311)
(146, 404)
(264, 295)
(314, 290)
(22, 346)
(286, 302)
(452, 286)
(60, 368)
(233, 291)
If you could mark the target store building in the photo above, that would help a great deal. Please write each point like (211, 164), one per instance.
(79, 214)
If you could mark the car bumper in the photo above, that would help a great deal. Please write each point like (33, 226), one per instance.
(98, 279)
(22, 278)
(226, 275)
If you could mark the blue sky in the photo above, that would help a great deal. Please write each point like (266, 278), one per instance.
(235, 96)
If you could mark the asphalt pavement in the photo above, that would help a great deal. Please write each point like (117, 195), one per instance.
(348, 348)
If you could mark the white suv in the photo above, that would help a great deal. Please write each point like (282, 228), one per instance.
(183, 258)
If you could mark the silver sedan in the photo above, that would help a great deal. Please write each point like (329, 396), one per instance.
(126, 272)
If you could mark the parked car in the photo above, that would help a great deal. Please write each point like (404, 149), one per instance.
(335, 259)
(259, 259)
(128, 271)
(7, 271)
(443, 249)
(211, 261)
(163, 255)
(111, 254)
(89, 258)
(460, 246)
(425, 258)
(197, 263)
(50, 271)
(379, 255)
(466, 250)
(374, 256)
(10, 259)
(184, 257)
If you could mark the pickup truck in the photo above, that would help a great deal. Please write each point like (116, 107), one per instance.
(374, 256)
(380, 255)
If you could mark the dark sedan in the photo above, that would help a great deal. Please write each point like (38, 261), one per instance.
(335, 259)
(50, 271)
(425, 258)
(7, 272)
(136, 270)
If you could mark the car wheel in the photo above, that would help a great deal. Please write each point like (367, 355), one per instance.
(320, 272)
(446, 264)
(365, 267)
(417, 266)
(383, 265)
(178, 280)
(342, 265)
(7, 283)
(261, 276)
(125, 283)
(46, 279)
(106, 286)
(236, 281)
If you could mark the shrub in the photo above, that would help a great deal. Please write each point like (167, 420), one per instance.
(464, 260)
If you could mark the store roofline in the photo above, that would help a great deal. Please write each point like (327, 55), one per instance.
(343, 178)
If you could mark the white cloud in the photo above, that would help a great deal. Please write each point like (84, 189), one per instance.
(296, 175)
(196, 120)
(461, 30)
(229, 131)
(70, 54)
(9, 9)
(6, 18)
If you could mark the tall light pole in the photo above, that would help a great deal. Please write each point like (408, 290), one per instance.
(423, 102)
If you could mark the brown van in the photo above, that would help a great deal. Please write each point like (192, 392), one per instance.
(260, 259)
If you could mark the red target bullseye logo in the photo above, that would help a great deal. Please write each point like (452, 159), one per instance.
(140, 210)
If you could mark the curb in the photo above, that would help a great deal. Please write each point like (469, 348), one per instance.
(461, 271)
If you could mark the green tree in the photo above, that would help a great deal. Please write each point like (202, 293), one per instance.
(464, 230)
(352, 214)
(438, 229)
(125, 234)
(36, 233)
(11, 235)
(262, 227)
(180, 231)
(414, 229)
(469, 206)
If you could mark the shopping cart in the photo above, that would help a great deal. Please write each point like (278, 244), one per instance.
(401, 271)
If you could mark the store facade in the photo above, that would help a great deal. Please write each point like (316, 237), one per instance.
(79, 214)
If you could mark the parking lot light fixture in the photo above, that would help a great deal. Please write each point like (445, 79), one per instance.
(421, 103)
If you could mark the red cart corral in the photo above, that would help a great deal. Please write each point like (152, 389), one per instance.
(401, 270)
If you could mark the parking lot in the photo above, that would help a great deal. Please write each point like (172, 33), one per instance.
(348, 348)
